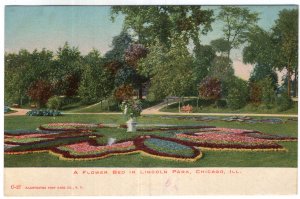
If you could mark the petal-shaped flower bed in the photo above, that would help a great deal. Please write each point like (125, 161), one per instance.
(77, 141)
(69, 126)
(167, 148)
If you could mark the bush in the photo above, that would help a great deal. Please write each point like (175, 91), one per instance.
(54, 102)
(284, 102)
(210, 88)
(255, 93)
(221, 103)
(268, 92)
(41, 112)
(124, 92)
(237, 94)
(40, 91)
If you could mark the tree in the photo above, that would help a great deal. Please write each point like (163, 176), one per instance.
(120, 43)
(286, 37)
(162, 23)
(238, 22)
(221, 46)
(261, 72)
(24, 68)
(171, 71)
(261, 51)
(237, 94)
(203, 61)
(40, 91)
(96, 83)
(221, 68)
(67, 71)
(134, 53)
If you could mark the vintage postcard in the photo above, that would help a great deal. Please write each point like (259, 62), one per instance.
(151, 99)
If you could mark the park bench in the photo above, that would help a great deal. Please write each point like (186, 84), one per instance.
(187, 109)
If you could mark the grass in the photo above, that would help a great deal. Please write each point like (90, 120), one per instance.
(105, 107)
(210, 158)
(209, 107)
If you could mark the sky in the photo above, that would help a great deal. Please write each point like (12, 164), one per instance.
(88, 27)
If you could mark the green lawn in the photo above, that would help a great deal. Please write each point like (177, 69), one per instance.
(209, 107)
(210, 158)
(105, 106)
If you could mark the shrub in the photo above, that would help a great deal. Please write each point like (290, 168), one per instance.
(131, 108)
(268, 92)
(40, 91)
(54, 102)
(255, 93)
(284, 102)
(124, 92)
(237, 94)
(41, 112)
(221, 103)
(210, 88)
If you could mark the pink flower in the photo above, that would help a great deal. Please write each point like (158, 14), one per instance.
(86, 147)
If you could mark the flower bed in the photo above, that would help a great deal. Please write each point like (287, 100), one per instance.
(69, 126)
(77, 141)
(245, 119)
(42, 112)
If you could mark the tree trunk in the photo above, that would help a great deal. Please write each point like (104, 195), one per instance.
(141, 92)
(289, 80)
(296, 83)
(179, 107)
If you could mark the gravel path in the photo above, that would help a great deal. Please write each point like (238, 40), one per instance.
(20, 111)
(155, 110)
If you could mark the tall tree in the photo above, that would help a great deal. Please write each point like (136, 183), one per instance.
(170, 70)
(96, 83)
(67, 69)
(237, 23)
(161, 23)
(23, 69)
(286, 37)
(261, 52)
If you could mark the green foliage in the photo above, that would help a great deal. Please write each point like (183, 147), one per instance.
(164, 23)
(260, 49)
(220, 45)
(286, 39)
(237, 23)
(268, 92)
(24, 68)
(221, 68)
(131, 108)
(96, 83)
(261, 72)
(237, 94)
(284, 102)
(54, 102)
(119, 44)
(221, 103)
(67, 69)
(203, 61)
(171, 71)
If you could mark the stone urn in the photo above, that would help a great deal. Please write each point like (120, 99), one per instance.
(131, 125)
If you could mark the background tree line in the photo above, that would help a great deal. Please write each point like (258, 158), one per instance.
(160, 50)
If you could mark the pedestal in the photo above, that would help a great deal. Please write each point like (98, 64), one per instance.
(131, 125)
